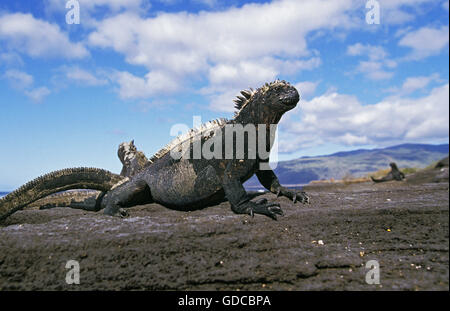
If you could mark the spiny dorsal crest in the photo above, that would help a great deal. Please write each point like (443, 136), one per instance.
(241, 101)
(191, 134)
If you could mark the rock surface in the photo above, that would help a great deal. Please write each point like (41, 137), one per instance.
(321, 246)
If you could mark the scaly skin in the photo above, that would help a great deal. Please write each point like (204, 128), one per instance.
(191, 182)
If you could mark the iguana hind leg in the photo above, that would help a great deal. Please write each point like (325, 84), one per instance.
(129, 194)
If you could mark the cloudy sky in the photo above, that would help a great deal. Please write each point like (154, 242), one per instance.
(131, 69)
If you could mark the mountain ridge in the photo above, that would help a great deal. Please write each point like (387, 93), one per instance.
(355, 163)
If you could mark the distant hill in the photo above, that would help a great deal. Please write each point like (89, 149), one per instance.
(356, 163)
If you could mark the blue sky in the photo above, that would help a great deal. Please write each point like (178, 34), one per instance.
(134, 68)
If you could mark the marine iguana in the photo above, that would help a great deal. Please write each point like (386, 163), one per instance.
(188, 182)
(394, 174)
(442, 163)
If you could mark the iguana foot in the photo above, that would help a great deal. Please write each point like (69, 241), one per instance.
(116, 212)
(294, 195)
(122, 213)
(259, 207)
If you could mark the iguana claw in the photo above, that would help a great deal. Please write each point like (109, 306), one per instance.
(294, 195)
(122, 213)
(260, 207)
(116, 211)
(269, 209)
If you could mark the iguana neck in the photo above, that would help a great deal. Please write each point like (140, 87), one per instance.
(258, 118)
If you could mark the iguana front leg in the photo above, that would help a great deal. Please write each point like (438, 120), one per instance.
(240, 200)
(270, 181)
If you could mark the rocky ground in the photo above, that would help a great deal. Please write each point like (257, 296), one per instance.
(321, 246)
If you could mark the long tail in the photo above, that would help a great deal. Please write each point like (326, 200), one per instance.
(386, 178)
(66, 179)
(375, 180)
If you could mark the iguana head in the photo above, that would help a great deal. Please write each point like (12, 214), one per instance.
(266, 104)
(126, 151)
(393, 165)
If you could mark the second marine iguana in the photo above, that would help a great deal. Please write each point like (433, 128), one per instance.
(188, 182)
(394, 174)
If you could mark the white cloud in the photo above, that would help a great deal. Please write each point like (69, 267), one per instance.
(242, 72)
(82, 76)
(37, 95)
(306, 88)
(37, 38)
(88, 8)
(93, 11)
(445, 5)
(342, 119)
(210, 3)
(223, 101)
(374, 53)
(235, 47)
(425, 41)
(250, 32)
(11, 59)
(24, 82)
(113, 5)
(375, 67)
(396, 16)
(374, 70)
(396, 4)
(154, 83)
(18, 79)
(413, 84)
(396, 12)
